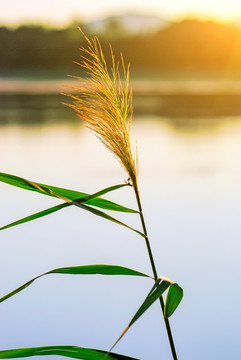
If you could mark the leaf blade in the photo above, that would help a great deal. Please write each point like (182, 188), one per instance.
(101, 269)
(108, 217)
(35, 216)
(92, 199)
(173, 299)
(63, 350)
(63, 205)
(160, 286)
(66, 193)
(79, 204)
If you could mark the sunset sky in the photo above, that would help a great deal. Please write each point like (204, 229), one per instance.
(61, 12)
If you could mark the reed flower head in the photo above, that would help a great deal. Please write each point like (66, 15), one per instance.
(104, 102)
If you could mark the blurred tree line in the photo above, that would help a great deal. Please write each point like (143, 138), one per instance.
(186, 45)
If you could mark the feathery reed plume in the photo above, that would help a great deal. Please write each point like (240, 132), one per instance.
(104, 102)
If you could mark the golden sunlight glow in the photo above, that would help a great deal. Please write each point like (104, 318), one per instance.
(220, 10)
(61, 12)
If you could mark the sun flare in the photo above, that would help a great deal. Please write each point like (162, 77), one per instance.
(214, 9)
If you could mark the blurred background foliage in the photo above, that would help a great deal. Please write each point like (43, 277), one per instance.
(188, 46)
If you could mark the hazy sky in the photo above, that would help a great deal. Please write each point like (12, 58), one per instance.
(63, 11)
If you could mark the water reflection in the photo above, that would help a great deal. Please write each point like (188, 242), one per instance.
(33, 109)
(183, 113)
(190, 179)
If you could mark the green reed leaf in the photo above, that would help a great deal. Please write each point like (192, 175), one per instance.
(100, 269)
(81, 270)
(173, 299)
(157, 290)
(71, 197)
(61, 206)
(67, 194)
(63, 350)
(108, 217)
(36, 215)
(80, 203)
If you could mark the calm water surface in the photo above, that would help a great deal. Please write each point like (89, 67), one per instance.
(190, 180)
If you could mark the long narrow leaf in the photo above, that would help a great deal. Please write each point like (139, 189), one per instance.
(77, 270)
(67, 194)
(27, 184)
(36, 215)
(61, 206)
(62, 350)
(160, 286)
(173, 299)
(100, 269)
(108, 217)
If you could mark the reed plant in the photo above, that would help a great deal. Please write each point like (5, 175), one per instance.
(103, 100)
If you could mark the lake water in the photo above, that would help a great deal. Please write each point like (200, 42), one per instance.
(190, 183)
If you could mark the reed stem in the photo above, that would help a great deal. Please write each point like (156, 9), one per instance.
(168, 328)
